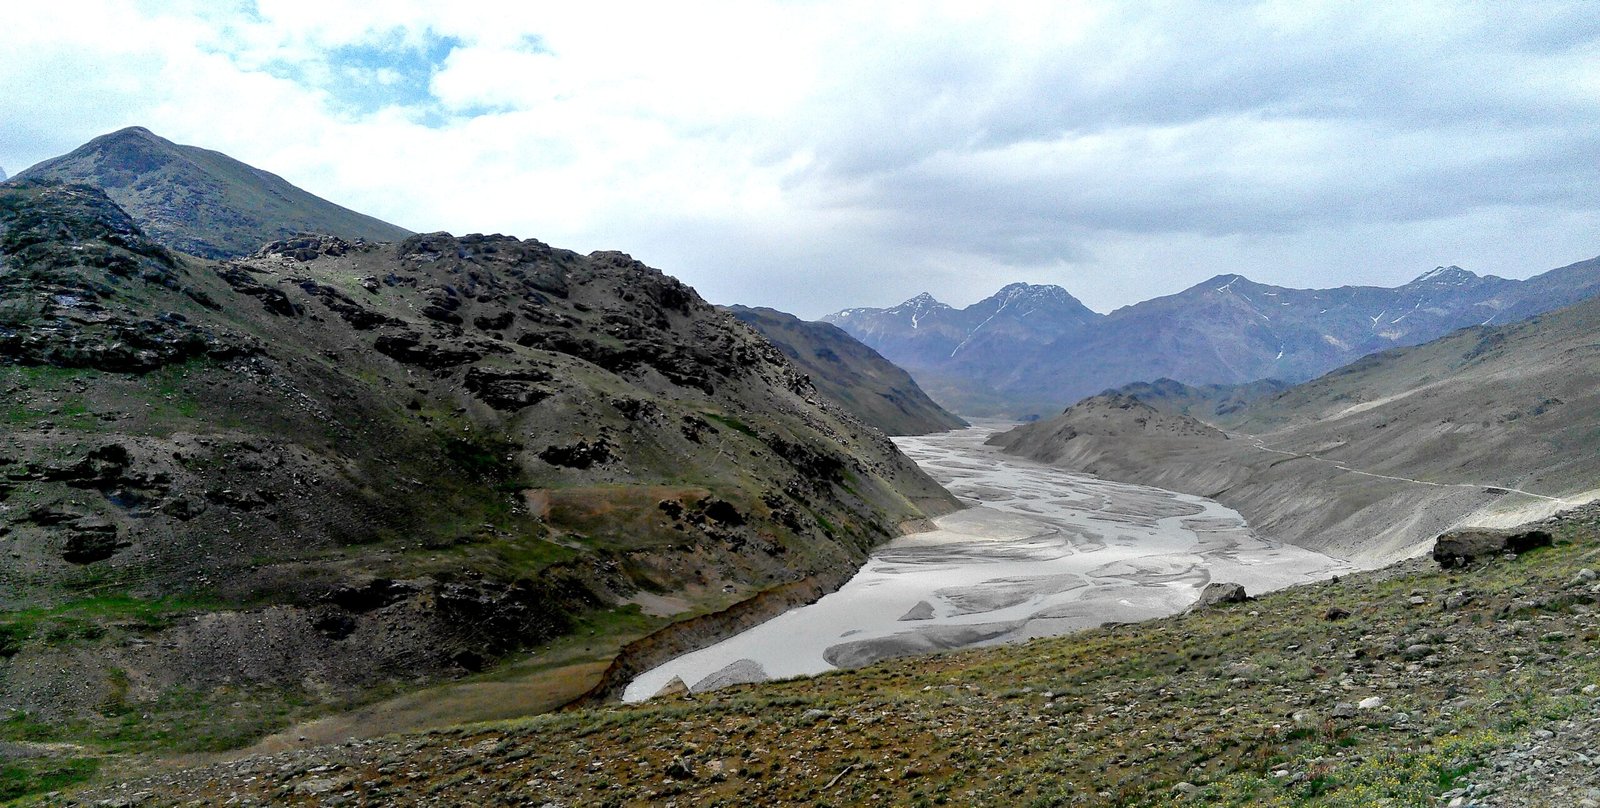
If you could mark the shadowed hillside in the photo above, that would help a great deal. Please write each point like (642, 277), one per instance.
(852, 374)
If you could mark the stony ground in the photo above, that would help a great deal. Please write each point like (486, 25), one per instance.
(1407, 686)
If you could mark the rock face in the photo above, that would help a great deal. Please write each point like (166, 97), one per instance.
(335, 466)
(1489, 426)
(1459, 548)
(1228, 330)
(203, 202)
(859, 378)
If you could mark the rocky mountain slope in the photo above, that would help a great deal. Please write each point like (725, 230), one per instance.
(1205, 401)
(1490, 425)
(1227, 330)
(1411, 686)
(200, 201)
(235, 494)
(872, 388)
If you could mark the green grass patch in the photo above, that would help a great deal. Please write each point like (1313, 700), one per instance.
(86, 619)
(33, 776)
(734, 424)
(483, 458)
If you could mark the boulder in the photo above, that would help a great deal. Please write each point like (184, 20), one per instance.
(738, 672)
(1216, 593)
(90, 541)
(674, 689)
(1459, 548)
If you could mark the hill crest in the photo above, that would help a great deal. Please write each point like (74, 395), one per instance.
(201, 201)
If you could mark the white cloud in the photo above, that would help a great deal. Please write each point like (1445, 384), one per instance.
(814, 155)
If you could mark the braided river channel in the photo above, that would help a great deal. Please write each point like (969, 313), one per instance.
(1040, 551)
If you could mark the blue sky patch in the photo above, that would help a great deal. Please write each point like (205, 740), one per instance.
(394, 69)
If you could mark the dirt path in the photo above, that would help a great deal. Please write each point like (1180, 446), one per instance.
(1342, 466)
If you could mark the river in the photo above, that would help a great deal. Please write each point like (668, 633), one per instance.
(1041, 551)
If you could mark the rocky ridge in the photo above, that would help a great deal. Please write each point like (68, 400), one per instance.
(237, 493)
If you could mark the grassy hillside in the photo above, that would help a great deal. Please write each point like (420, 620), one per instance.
(203, 202)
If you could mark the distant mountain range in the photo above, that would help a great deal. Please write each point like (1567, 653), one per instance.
(923, 333)
(203, 202)
(1487, 426)
(1034, 349)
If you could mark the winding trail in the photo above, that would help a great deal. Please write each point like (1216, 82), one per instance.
(1342, 466)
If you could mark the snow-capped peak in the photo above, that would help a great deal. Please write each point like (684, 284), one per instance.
(1030, 296)
(1450, 274)
(920, 303)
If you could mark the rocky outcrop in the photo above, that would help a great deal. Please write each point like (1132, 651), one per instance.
(1458, 548)
(74, 299)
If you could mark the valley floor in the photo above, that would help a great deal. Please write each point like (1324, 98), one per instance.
(1399, 686)
(1041, 552)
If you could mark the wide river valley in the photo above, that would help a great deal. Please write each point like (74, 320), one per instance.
(1041, 551)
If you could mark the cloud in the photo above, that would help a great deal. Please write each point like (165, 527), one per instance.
(816, 155)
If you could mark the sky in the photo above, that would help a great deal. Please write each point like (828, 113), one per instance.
(813, 155)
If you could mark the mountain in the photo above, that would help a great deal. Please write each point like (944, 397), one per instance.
(2, 175)
(948, 349)
(1488, 426)
(237, 494)
(857, 377)
(203, 202)
(1227, 330)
